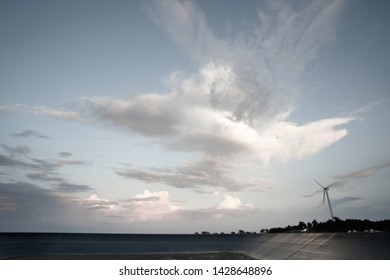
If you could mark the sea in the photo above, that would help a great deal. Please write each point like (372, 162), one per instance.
(279, 246)
(37, 244)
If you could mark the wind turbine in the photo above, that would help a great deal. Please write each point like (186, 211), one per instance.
(327, 196)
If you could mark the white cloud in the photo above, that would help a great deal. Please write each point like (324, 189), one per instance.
(100, 204)
(232, 203)
(28, 207)
(157, 206)
(285, 140)
(146, 206)
(41, 110)
(152, 206)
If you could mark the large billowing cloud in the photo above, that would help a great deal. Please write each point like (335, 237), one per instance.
(240, 99)
(235, 109)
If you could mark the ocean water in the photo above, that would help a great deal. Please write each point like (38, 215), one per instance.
(30, 244)
(336, 246)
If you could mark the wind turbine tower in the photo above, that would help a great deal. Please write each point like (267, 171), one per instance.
(327, 196)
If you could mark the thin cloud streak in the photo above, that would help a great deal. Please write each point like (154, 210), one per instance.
(30, 133)
(344, 200)
(369, 171)
(73, 188)
(40, 110)
(206, 173)
(17, 151)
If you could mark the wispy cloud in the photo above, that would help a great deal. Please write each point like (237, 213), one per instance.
(206, 173)
(30, 133)
(344, 200)
(66, 158)
(366, 109)
(44, 171)
(369, 171)
(40, 110)
(45, 176)
(258, 70)
(73, 188)
(6, 161)
(16, 151)
(65, 154)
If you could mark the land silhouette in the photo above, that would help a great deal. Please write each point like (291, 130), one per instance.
(331, 225)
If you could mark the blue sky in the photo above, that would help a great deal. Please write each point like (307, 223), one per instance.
(183, 116)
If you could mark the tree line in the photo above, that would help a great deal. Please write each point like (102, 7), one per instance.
(332, 225)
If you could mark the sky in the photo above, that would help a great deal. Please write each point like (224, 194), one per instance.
(188, 116)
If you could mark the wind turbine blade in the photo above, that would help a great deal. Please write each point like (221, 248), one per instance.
(332, 184)
(319, 184)
(323, 198)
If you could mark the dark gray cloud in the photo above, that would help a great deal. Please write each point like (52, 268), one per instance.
(45, 171)
(340, 201)
(45, 176)
(6, 161)
(44, 164)
(73, 188)
(33, 163)
(212, 143)
(30, 133)
(141, 199)
(65, 154)
(209, 172)
(369, 171)
(17, 151)
(28, 207)
(66, 159)
(69, 161)
(150, 115)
